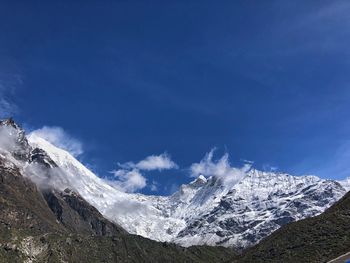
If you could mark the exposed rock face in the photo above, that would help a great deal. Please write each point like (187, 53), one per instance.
(40, 156)
(21, 203)
(78, 215)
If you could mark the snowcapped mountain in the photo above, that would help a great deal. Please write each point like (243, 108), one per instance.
(206, 211)
(258, 205)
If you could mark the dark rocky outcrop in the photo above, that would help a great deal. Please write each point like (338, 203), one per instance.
(39, 156)
(78, 215)
(21, 203)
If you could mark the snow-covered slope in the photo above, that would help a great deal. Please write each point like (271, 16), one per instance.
(136, 213)
(205, 211)
(258, 205)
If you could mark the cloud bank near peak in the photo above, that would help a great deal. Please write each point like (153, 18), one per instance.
(130, 176)
(129, 180)
(220, 168)
(60, 138)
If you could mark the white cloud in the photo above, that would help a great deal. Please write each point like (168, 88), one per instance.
(130, 177)
(220, 168)
(58, 137)
(129, 181)
(8, 138)
(247, 161)
(152, 162)
(49, 178)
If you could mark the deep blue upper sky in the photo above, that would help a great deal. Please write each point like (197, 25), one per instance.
(266, 81)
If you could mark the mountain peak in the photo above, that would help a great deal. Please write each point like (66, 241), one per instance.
(14, 139)
(10, 123)
(199, 181)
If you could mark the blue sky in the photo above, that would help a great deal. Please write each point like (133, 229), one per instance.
(266, 81)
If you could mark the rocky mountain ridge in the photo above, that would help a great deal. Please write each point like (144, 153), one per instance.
(39, 223)
(208, 211)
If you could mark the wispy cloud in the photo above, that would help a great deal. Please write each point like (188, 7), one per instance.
(60, 138)
(130, 177)
(327, 28)
(220, 168)
(154, 186)
(152, 162)
(8, 138)
(7, 107)
(129, 181)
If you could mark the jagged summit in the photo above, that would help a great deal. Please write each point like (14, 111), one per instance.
(16, 143)
(13, 139)
(200, 180)
(9, 122)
